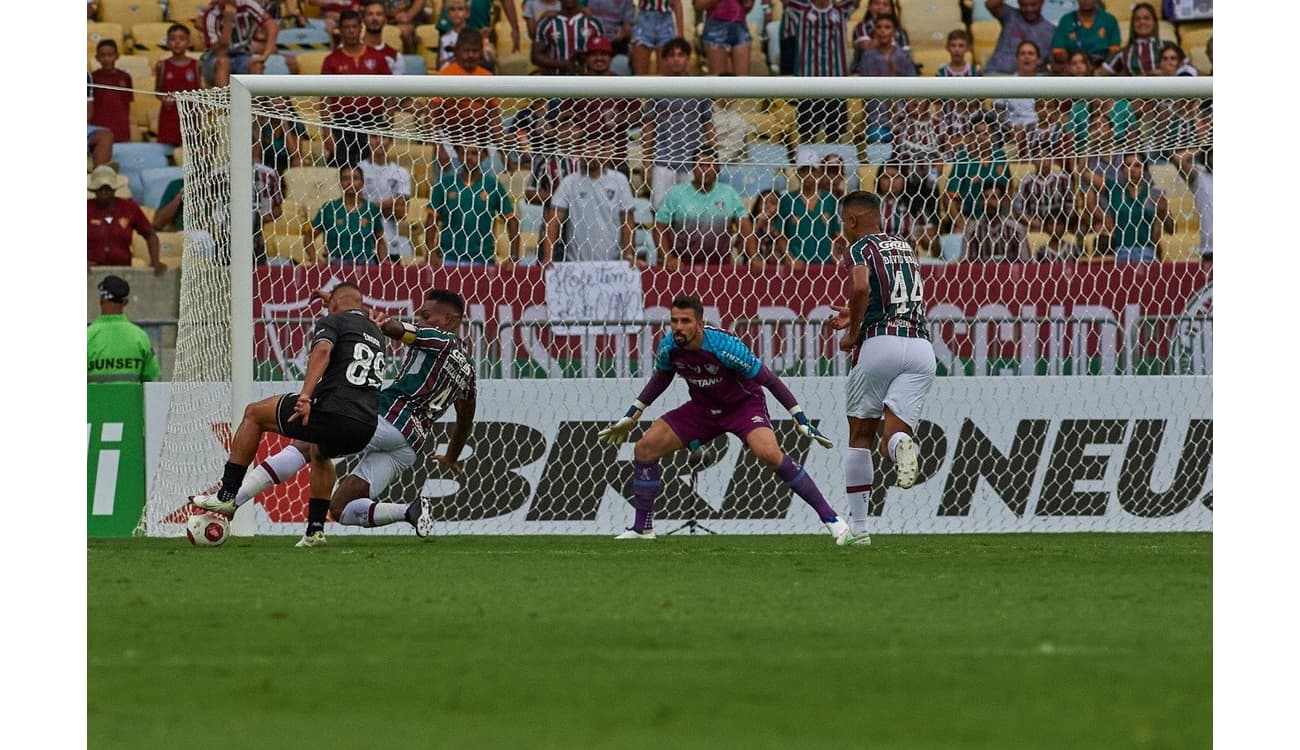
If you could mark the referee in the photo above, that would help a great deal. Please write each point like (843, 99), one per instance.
(118, 351)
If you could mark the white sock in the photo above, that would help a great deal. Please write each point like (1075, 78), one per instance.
(283, 465)
(858, 475)
(894, 440)
(366, 512)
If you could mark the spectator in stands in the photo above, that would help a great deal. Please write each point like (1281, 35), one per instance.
(1130, 213)
(1199, 176)
(457, 119)
(905, 208)
(536, 10)
(1173, 61)
(594, 210)
(918, 137)
(883, 58)
(559, 143)
(374, 17)
(99, 140)
(699, 222)
(112, 93)
(457, 12)
(92, 10)
(352, 227)
(228, 27)
(1091, 29)
(616, 17)
(657, 23)
(959, 65)
(405, 15)
(834, 179)
(809, 216)
(731, 129)
(279, 138)
(864, 34)
(770, 246)
(350, 116)
(562, 38)
(726, 35)
(609, 119)
(331, 11)
(1044, 200)
(1141, 54)
(480, 17)
(981, 159)
(994, 236)
(117, 350)
(110, 222)
(1022, 24)
(179, 72)
(673, 130)
(818, 28)
(1020, 114)
(388, 186)
(263, 60)
(463, 206)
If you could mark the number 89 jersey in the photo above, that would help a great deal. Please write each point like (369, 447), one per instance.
(897, 303)
(350, 385)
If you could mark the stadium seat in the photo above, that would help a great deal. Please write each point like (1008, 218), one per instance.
(171, 248)
(1194, 35)
(642, 212)
(426, 39)
(134, 158)
(530, 217)
(414, 65)
(751, 179)
(155, 181)
(130, 12)
(312, 186)
(392, 36)
(774, 155)
(985, 37)
(929, 21)
(185, 10)
(141, 72)
(1180, 247)
(846, 151)
(98, 31)
(309, 63)
(929, 59)
(1182, 203)
(293, 41)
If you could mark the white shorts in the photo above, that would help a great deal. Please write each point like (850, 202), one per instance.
(385, 456)
(892, 371)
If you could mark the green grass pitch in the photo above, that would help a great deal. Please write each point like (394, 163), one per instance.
(965, 641)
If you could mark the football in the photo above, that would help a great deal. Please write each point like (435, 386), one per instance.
(207, 529)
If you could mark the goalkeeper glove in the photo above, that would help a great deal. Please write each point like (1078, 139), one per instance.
(806, 428)
(616, 433)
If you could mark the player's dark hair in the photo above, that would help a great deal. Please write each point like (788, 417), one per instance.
(178, 27)
(687, 302)
(448, 298)
(678, 44)
(860, 199)
(346, 285)
(350, 15)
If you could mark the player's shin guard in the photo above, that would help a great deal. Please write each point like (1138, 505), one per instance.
(272, 471)
(646, 484)
(366, 512)
(858, 476)
(797, 479)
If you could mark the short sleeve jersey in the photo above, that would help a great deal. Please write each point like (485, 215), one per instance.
(720, 373)
(248, 16)
(435, 373)
(465, 213)
(896, 306)
(350, 236)
(810, 230)
(350, 385)
(108, 231)
(1099, 38)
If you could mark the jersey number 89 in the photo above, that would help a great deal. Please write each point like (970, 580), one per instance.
(366, 367)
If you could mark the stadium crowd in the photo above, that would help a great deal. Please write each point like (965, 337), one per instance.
(1001, 180)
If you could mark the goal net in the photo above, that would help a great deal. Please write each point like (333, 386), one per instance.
(1063, 225)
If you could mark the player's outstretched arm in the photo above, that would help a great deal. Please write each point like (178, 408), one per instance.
(803, 424)
(460, 434)
(616, 433)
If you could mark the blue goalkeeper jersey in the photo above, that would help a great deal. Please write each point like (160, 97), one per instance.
(720, 373)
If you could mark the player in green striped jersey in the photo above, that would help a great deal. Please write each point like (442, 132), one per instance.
(436, 373)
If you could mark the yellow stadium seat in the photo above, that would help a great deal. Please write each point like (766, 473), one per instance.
(97, 31)
(929, 21)
(150, 39)
(1180, 247)
(1182, 204)
(1167, 33)
(171, 246)
(185, 10)
(929, 59)
(1194, 35)
(130, 12)
(426, 39)
(312, 186)
(309, 63)
(984, 39)
(392, 36)
(140, 70)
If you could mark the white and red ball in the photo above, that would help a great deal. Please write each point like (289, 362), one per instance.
(206, 529)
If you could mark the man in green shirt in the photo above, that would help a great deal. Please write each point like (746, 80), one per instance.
(463, 207)
(118, 351)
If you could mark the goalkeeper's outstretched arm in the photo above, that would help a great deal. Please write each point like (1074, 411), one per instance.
(616, 433)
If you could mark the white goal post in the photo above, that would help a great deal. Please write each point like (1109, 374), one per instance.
(1109, 428)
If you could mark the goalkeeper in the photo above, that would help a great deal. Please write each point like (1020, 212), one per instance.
(726, 384)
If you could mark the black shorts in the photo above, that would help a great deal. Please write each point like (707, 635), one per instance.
(333, 434)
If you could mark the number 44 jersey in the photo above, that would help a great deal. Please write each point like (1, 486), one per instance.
(897, 303)
(350, 385)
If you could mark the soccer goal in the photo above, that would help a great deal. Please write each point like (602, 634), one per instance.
(1064, 226)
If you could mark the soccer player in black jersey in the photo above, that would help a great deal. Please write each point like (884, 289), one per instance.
(336, 410)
